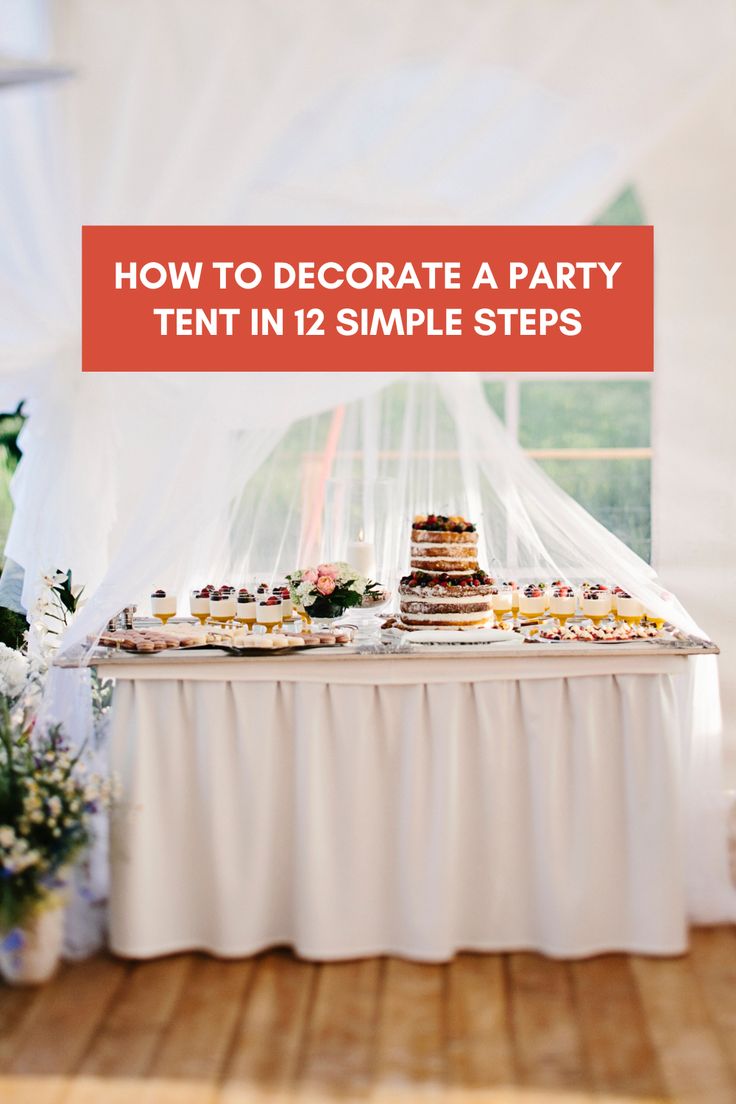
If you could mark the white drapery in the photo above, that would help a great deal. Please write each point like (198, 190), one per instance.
(254, 113)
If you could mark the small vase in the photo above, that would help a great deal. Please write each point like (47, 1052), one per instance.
(30, 955)
(324, 612)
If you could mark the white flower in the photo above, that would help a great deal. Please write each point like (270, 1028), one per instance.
(54, 578)
(7, 837)
(14, 670)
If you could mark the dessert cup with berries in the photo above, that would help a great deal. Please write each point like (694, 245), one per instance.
(269, 613)
(163, 605)
(562, 603)
(596, 602)
(532, 602)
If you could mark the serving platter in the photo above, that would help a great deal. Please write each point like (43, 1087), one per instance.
(284, 649)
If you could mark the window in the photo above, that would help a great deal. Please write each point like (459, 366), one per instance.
(591, 434)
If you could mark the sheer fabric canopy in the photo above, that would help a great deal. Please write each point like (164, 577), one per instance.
(244, 112)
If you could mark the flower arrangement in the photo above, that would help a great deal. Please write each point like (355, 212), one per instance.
(14, 672)
(48, 797)
(329, 589)
(56, 605)
(47, 801)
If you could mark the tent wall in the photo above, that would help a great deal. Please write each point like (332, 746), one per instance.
(688, 189)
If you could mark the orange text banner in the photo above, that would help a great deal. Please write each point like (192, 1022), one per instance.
(367, 298)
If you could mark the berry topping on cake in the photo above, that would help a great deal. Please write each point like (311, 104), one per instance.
(159, 594)
(427, 579)
(440, 523)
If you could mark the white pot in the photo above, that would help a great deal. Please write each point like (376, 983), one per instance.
(34, 951)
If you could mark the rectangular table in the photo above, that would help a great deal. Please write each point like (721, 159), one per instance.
(523, 796)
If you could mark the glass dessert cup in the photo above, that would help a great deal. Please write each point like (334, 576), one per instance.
(502, 603)
(199, 606)
(596, 609)
(630, 610)
(563, 605)
(269, 613)
(532, 609)
(163, 607)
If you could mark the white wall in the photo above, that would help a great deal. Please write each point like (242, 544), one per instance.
(688, 191)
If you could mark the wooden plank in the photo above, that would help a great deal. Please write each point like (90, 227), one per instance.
(338, 1056)
(125, 1045)
(620, 1053)
(411, 1052)
(193, 1052)
(15, 1009)
(268, 1041)
(546, 1036)
(713, 952)
(479, 1049)
(693, 1064)
(58, 1030)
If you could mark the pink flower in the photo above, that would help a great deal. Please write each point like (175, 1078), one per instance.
(328, 570)
(310, 576)
(325, 584)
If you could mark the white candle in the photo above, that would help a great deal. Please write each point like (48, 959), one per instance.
(361, 556)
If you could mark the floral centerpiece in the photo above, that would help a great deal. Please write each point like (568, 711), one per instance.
(47, 802)
(48, 797)
(329, 589)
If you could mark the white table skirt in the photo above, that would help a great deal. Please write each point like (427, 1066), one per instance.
(418, 819)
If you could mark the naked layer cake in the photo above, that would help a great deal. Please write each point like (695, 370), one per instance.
(445, 588)
(444, 544)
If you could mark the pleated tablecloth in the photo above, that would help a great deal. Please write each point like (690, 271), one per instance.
(444, 810)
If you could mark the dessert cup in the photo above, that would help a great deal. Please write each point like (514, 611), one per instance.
(596, 605)
(502, 603)
(563, 605)
(269, 615)
(199, 606)
(163, 606)
(246, 611)
(532, 606)
(630, 610)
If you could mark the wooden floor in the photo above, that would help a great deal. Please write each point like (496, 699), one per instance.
(505, 1028)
